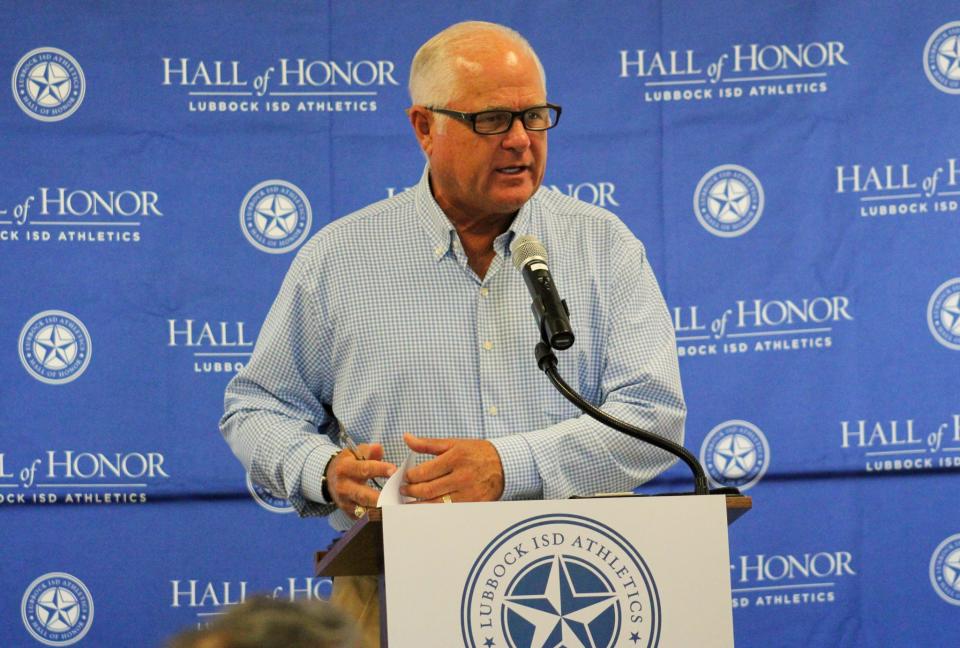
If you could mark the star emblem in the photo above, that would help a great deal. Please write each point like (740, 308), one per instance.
(729, 200)
(561, 616)
(948, 58)
(276, 217)
(489, 642)
(61, 609)
(951, 570)
(55, 347)
(634, 637)
(950, 313)
(49, 84)
(735, 456)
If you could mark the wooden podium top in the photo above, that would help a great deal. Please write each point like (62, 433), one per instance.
(360, 551)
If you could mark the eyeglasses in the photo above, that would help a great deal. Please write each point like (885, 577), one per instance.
(495, 122)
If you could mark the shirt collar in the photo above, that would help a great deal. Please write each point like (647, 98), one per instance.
(440, 230)
(523, 224)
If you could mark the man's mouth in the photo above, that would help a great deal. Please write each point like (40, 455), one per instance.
(511, 170)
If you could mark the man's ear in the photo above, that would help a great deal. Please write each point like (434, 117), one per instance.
(423, 126)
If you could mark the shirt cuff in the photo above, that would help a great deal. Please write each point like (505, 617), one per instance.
(311, 477)
(521, 479)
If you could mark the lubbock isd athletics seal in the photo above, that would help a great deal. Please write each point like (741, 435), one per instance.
(48, 84)
(945, 570)
(55, 347)
(276, 216)
(57, 609)
(728, 200)
(941, 58)
(560, 580)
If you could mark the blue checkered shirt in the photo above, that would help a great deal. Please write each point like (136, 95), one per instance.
(382, 326)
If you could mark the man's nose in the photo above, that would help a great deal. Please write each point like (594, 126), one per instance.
(517, 138)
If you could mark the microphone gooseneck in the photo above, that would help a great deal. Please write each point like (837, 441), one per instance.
(547, 362)
(552, 317)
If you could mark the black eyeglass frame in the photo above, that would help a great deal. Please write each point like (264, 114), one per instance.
(471, 118)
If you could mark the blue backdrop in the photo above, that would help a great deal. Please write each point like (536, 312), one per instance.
(793, 169)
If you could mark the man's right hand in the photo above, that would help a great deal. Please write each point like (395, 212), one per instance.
(348, 478)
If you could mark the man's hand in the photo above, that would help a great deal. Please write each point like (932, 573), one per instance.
(348, 477)
(467, 470)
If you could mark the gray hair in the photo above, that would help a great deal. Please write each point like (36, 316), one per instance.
(433, 78)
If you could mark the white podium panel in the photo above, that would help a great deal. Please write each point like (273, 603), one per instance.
(592, 573)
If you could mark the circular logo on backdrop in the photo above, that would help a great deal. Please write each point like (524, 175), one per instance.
(55, 347)
(735, 453)
(560, 580)
(941, 58)
(943, 314)
(57, 609)
(275, 216)
(268, 500)
(48, 84)
(945, 570)
(728, 200)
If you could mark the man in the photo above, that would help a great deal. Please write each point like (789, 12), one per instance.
(404, 324)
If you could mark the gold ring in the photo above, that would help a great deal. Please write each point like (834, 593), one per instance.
(447, 499)
(358, 511)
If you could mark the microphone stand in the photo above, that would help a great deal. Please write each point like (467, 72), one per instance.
(547, 362)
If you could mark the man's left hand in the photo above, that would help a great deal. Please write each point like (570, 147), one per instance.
(465, 470)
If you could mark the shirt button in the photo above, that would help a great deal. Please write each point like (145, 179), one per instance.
(492, 410)
(487, 345)
(438, 251)
(484, 291)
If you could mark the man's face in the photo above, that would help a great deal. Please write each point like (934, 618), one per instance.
(482, 175)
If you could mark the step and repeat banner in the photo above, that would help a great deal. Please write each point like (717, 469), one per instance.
(793, 169)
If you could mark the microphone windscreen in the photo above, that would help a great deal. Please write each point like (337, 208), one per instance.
(525, 249)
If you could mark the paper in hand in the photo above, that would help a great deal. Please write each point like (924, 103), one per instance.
(390, 493)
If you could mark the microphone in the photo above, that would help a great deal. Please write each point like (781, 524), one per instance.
(549, 311)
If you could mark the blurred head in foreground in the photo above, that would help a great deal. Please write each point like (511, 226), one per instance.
(263, 622)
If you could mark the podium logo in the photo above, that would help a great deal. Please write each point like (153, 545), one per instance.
(275, 216)
(943, 314)
(945, 570)
(735, 453)
(57, 609)
(55, 347)
(941, 58)
(48, 84)
(728, 200)
(560, 579)
(266, 499)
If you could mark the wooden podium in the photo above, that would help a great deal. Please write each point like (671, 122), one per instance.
(361, 551)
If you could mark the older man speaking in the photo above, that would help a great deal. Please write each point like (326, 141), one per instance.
(404, 327)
